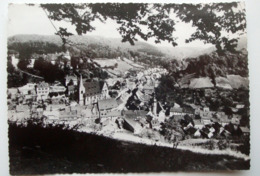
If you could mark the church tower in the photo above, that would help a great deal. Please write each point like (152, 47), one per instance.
(154, 106)
(81, 92)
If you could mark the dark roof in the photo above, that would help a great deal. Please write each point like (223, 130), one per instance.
(92, 88)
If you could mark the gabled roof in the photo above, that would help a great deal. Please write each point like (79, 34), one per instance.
(107, 104)
(92, 88)
(42, 85)
(69, 77)
(174, 109)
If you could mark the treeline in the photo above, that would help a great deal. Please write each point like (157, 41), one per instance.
(214, 65)
(26, 49)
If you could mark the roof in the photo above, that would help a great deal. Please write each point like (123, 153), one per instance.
(197, 122)
(69, 77)
(107, 104)
(22, 108)
(12, 91)
(92, 88)
(148, 87)
(43, 85)
(174, 109)
(134, 114)
(141, 113)
(113, 114)
(245, 129)
(131, 122)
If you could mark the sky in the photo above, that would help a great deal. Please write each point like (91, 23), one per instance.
(24, 19)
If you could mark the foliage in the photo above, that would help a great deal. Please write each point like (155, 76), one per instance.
(210, 20)
(49, 71)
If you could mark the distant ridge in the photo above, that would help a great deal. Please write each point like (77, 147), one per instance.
(115, 44)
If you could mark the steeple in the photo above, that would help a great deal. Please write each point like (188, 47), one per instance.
(81, 91)
(154, 106)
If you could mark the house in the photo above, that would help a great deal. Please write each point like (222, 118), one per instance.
(137, 114)
(71, 89)
(112, 115)
(51, 115)
(197, 133)
(92, 91)
(66, 55)
(240, 106)
(206, 109)
(198, 124)
(130, 114)
(42, 91)
(148, 89)
(54, 107)
(224, 120)
(132, 125)
(68, 115)
(22, 108)
(130, 84)
(71, 78)
(176, 111)
(177, 118)
(245, 131)
(57, 89)
(235, 121)
(14, 59)
(106, 105)
(12, 93)
(155, 124)
(206, 120)
(29, 88)
(189, 111)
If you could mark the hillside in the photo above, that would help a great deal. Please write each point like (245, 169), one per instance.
(228, 71)
(103, 47)
(98, 46)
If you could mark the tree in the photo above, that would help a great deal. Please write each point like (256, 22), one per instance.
(210, 20)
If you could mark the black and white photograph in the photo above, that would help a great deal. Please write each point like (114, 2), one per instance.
(127, 88)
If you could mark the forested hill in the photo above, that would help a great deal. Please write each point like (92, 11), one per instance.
(100, 47)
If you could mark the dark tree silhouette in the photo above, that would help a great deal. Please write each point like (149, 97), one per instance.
(210, 20)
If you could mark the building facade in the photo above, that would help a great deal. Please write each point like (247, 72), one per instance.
(92, 91)
(42, 91)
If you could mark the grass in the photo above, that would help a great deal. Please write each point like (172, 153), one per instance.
(37, 150)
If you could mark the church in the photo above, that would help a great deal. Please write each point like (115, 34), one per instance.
(92, 91)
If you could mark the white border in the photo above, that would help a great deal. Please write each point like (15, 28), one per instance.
(253, 28)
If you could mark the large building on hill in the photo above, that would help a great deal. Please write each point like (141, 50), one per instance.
(92, 91)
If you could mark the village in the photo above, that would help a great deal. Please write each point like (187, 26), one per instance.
(123, 107)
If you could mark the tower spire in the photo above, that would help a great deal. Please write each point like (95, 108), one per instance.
(81, 91)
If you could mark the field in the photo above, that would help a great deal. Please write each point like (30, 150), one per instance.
(123, 65)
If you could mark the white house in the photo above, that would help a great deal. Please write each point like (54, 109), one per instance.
(42, 91)
(71, 78)
(57, 89)
(29, 88)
